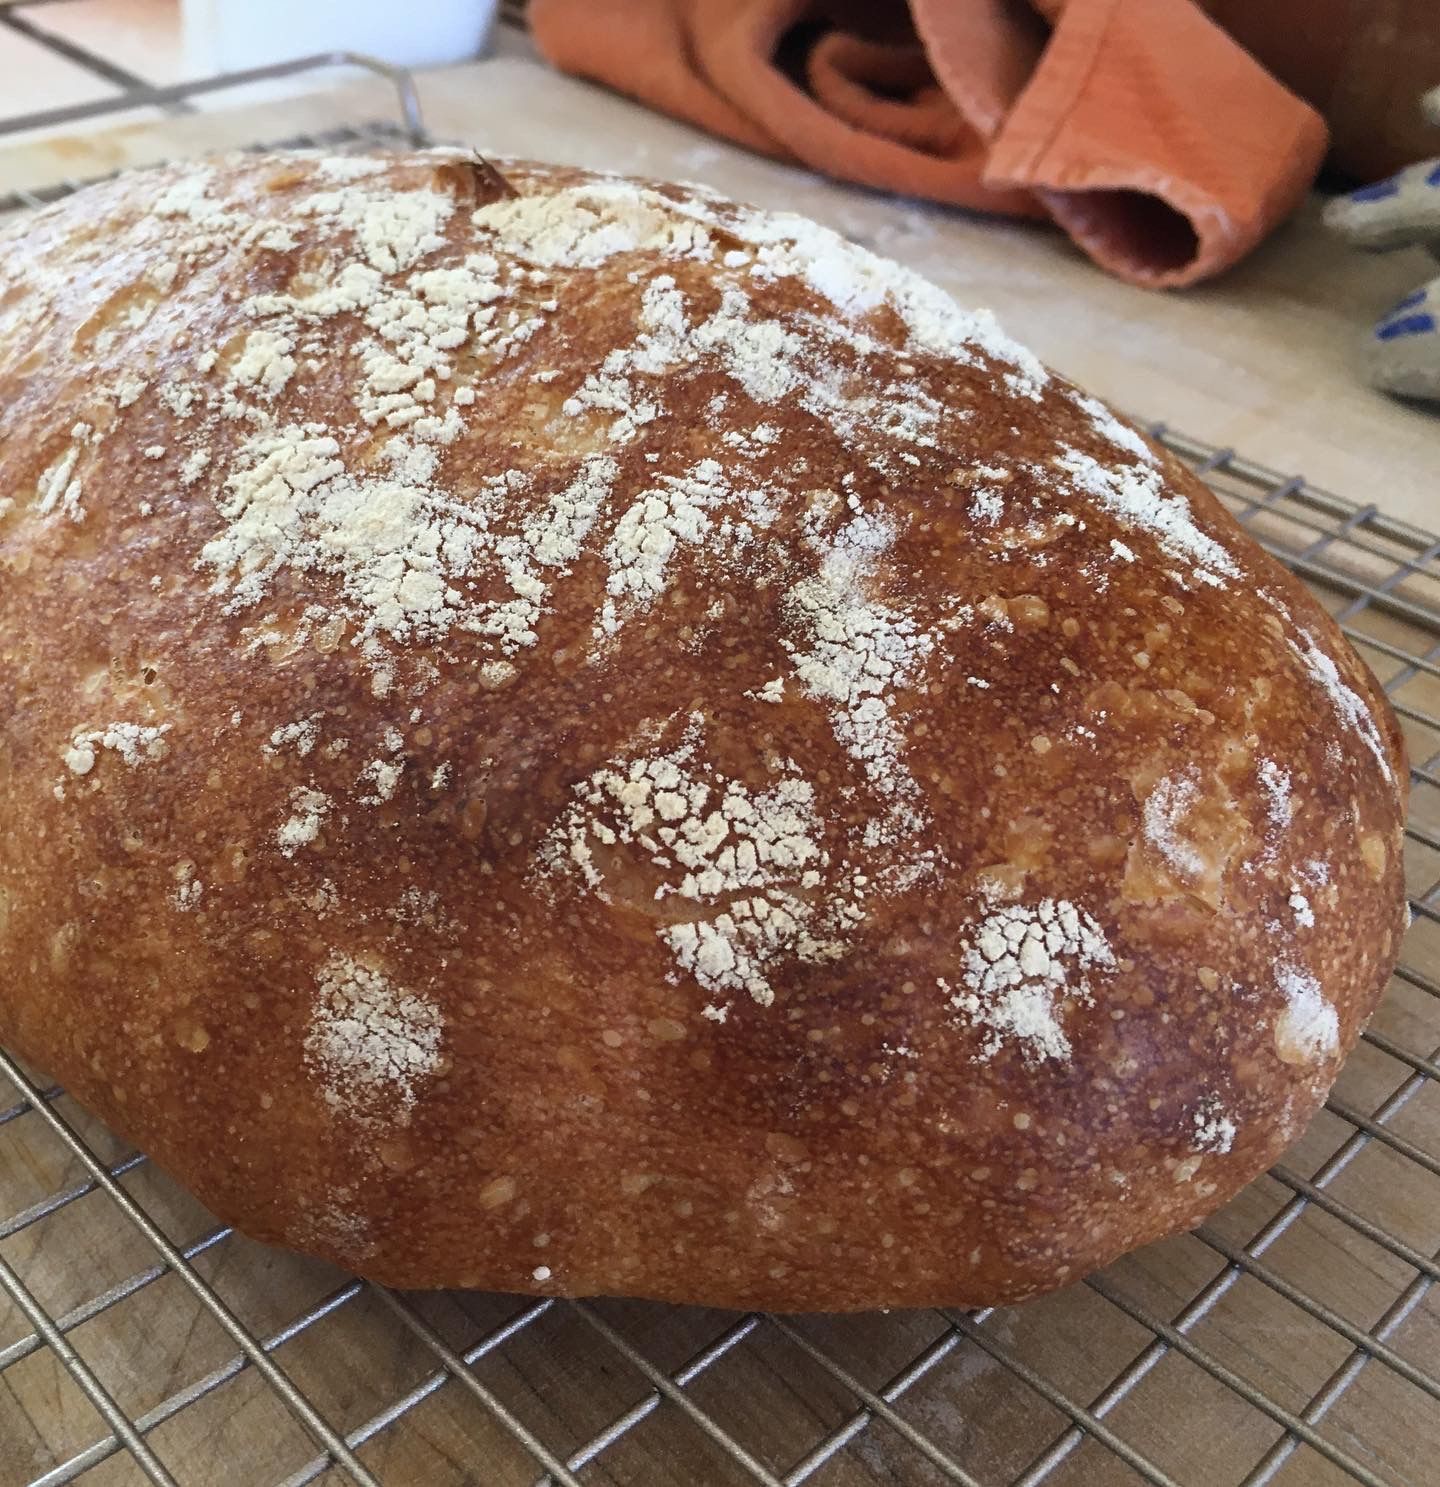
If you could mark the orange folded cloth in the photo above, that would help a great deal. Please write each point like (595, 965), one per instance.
(1158, 143)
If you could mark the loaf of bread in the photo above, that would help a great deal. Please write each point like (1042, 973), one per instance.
(561, 734)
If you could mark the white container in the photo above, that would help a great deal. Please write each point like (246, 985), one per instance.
(229, 35)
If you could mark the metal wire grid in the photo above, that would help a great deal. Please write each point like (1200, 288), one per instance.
(914, 1398)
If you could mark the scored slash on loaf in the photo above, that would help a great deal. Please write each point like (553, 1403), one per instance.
(563, 734)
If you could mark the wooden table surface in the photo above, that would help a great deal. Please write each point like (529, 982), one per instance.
(1260, 361)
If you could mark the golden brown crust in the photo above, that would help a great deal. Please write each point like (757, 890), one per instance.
(660, 758)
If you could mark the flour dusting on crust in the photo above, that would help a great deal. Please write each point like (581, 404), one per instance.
(371, 1043)
(740, 873)
(308, 810)
(1275, 782)
(1349, 706)
(1020, 967)
(134, 743)
(1166, 808)
(1308, 1029)
(853, 652)
(1213, 1132)
(1136, 495)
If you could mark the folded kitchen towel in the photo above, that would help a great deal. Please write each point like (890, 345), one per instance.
(1139, 126)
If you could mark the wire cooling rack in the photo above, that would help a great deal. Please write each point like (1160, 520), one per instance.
(1293, 1338)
